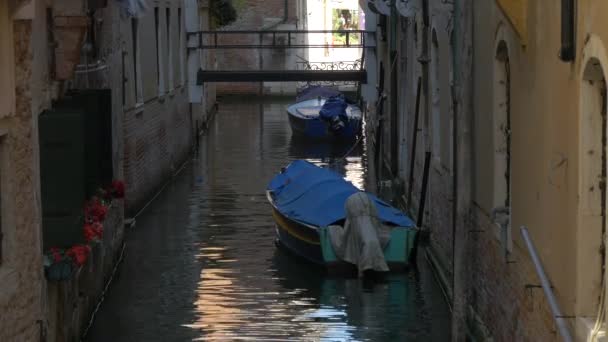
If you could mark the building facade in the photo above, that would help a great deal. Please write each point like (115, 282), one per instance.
(94, 92)
(262, 15)
(508, 101)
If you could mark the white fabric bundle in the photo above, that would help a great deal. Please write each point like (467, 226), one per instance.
(362, 239)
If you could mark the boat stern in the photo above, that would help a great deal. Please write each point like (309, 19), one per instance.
(397, 253)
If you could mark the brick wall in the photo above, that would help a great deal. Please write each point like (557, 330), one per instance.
(157, 140)
(154, 128)
(256, 15)
(505, 292)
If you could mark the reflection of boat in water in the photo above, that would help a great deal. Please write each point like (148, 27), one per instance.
(302, 148)
(307, 200)
(346, 309)
(324, 113)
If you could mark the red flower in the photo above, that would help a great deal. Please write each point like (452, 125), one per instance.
(56, 253)
(95, 211)
(79, 254)
(118, 189)
(93, 231)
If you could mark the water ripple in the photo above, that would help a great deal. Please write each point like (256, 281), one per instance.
(202, 264)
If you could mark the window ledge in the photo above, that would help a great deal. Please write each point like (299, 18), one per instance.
(138, 108)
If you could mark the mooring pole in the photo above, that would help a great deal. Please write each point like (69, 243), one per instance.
(414, 139)
(423, 191)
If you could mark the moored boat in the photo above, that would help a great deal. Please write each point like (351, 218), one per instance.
(308, 202)
(306, 115)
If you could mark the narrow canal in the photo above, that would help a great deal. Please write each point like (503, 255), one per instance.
(201, 263)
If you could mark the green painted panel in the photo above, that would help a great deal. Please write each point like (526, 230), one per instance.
(62, 151)
(96, 107)
(399, 248)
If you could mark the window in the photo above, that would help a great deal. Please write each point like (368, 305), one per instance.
(502, 146)
(180, 47)
(159, 75)
(435, 99)
(169, 48)
(137, 88)
(124, 79)
(591, 230)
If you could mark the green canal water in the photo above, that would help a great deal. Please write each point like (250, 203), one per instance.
(201, 263)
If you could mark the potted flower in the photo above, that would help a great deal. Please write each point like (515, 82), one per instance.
(58, 265)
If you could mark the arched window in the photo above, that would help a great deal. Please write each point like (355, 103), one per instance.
(592, 193)
(502, 145)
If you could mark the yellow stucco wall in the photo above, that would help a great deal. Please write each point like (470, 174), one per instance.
(516, 11)
(545, 120)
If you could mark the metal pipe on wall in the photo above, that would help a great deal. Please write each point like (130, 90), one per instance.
(560, 321)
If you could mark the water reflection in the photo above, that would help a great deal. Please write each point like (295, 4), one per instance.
(344, 157)
(202, 264)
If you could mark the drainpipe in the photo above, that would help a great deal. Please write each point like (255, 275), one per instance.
(286, 11)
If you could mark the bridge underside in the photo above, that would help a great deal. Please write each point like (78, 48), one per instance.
(281, 76)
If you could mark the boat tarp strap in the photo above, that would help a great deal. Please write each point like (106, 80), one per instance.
(316, 196)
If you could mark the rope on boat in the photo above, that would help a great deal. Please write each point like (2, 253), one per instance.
(352, 148)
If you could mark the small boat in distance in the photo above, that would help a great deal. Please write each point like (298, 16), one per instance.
(309, 201)
(342, 120)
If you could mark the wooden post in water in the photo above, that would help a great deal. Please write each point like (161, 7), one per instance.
(413, 154)
(425, 181)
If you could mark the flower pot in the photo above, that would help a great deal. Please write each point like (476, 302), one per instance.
(59, 271)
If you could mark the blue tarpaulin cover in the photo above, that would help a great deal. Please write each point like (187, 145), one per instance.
(334, 106)
(310, 194)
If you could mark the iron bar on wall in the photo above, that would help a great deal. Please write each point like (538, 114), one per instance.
(560, 321)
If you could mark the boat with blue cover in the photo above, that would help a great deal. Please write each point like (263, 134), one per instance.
(307, 200)
(322, 112)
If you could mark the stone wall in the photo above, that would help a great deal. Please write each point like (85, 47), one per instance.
(505, 292)
(157, 140)
(21, 276)
(71, 302)
(553, 169)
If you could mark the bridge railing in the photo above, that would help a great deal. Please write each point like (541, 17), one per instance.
(280, 39)
(330, 66)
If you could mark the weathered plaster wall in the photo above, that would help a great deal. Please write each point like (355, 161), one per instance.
(546, 169)
(21, 267)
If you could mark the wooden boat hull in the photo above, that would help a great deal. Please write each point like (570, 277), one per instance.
(304, 121)
(314, 244)
(317, 129)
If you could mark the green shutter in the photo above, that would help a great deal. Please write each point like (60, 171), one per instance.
(62, 153)
(96, 105)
